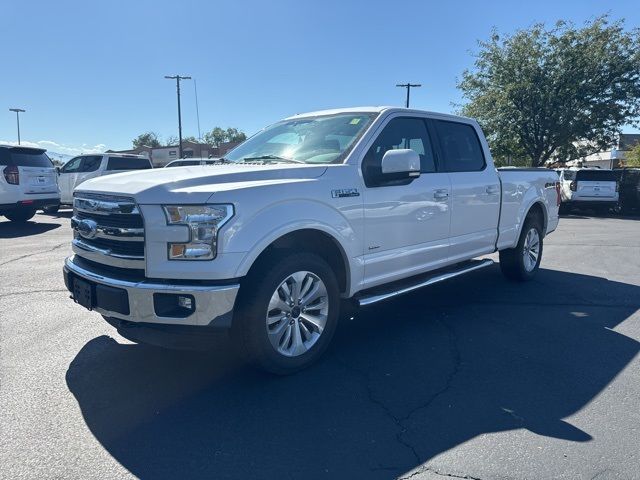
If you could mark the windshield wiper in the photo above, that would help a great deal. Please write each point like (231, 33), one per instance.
(274, 158)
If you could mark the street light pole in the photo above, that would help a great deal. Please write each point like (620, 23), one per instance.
(408, 87)
(18, 111)
(177, 78)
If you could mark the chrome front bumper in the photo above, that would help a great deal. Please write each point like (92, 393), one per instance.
(213, 303)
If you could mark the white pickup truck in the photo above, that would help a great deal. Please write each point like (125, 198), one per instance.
(361, 203)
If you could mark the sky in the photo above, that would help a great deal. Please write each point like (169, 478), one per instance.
(90, 75)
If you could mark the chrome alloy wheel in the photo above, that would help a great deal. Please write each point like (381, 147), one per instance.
(297, 313)
(531, 250)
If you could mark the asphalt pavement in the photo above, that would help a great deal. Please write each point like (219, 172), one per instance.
(474, 378)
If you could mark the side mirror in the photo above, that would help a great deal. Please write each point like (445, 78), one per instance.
(58, 170)
(401, 163)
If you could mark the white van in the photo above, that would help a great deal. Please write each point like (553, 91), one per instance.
(593, 188)
(27, 182)
(84, 167)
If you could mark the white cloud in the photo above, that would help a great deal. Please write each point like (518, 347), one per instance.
(61, 148)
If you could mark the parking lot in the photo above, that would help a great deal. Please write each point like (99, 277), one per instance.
(474, 378)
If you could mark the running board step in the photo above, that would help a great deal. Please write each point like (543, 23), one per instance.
(378, 294)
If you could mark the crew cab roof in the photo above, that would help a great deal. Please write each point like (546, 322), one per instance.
(370, 109)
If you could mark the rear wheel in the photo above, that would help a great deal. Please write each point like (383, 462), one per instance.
(522, 262)
(21, 215)
(287, 313)
(51, 210)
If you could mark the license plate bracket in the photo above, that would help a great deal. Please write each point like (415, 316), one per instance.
(83, 293)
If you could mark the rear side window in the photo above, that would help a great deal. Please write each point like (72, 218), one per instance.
(460, 147)
(128, 163)
(28, 157)
(569, 175)
(596, 176)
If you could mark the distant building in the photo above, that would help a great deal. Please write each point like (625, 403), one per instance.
(160, 156)
(612, 158)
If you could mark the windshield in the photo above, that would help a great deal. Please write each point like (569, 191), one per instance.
(313, 140)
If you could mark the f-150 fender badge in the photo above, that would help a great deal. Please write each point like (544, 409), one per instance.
(345, 192)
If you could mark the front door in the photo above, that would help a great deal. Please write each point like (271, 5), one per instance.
(67, 179)
(406, 223)
(88, 169)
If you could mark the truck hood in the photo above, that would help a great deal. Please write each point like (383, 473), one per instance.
(196, 184)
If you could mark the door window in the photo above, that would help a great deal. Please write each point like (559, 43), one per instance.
(460, 147)
(72, 166)
(399, 133)
(91, 163)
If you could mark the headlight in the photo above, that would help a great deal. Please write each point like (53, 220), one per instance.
(203, 221)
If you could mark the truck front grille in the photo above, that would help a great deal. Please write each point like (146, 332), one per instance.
(109, 230)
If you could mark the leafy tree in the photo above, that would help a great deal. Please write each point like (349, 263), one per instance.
(632, 157)
(171, 140)
(219, 135)
(235, 135)
(147, 139)
(560, 93)
(215, 137)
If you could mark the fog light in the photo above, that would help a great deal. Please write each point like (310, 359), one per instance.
(185, 302)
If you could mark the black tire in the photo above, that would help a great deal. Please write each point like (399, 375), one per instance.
(512, 260)
(51, 210)
(563, 209)
(252, 307)
(21, 215)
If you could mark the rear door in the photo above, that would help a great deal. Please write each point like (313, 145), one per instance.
(475, 190)
(37, 173)
(596, 185)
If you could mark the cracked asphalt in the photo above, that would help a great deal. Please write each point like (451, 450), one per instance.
(476, 378)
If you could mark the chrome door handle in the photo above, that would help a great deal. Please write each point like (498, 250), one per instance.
(440, 194)
(493, 190)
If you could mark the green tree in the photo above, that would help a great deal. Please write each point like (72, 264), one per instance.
(560, 93)
(147, 139)
(171, 141)
(632, 157)
(219, 135)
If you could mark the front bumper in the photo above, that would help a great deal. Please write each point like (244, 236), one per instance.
(136, 301)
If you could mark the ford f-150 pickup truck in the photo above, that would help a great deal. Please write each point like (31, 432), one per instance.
(362, 204)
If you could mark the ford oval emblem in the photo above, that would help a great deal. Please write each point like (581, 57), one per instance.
(87, 228)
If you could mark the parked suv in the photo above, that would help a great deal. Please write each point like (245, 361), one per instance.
(629, 181)
(84, 167)
(27, 182)
(593, 188)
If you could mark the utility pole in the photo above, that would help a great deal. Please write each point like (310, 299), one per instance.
(408, 87)
(18, 111)
(177, 78)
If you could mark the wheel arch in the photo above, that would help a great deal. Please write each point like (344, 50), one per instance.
(312, 240)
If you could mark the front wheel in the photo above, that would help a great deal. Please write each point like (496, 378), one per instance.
(287, 312)
(522, 262)
(21, 215)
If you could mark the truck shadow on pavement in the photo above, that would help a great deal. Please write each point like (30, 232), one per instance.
(402, 382)
(10, 229)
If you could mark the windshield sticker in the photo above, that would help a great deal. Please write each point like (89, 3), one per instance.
(354, 121)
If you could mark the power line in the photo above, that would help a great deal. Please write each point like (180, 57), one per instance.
(177, 78)
(18, 111)
(408, 87)
(195, 87)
